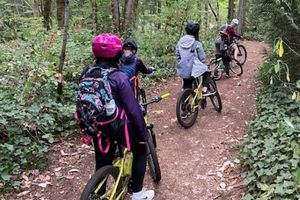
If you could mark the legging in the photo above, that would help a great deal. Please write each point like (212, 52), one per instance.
(188, 82)
(139, 152)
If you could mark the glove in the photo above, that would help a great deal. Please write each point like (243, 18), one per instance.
(152, 69)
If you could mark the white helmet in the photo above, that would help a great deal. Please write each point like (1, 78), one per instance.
(235, 21)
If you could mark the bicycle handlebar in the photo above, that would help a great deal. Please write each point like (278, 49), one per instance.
(157, 99)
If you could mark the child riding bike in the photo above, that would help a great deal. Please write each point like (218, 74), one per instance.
(131, 64)
(131, 130)
(227, 36)
(191, 57)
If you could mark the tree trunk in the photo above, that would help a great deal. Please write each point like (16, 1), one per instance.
(36, 8)
(231, 8)
(60, 4)
(129, 16)
(95, 16)
(63, 51)
(218, 14)
(47, 14)
(206, 17)
(115, 7)
(241, 16)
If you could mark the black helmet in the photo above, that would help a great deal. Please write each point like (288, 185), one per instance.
(192, 28)
(131, 44)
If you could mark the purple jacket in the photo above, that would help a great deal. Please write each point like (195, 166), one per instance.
(124, 97)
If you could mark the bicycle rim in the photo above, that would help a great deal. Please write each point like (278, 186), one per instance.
(215, 99)
(215, 67)
(242, 54)
(153, 161)
(236, 68)
(186, 113)
(101, 184)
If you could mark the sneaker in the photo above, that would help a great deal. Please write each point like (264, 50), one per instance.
(143, 195)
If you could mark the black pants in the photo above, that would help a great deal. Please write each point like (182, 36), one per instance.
(226, 62)
(188, 82)
(139, 152)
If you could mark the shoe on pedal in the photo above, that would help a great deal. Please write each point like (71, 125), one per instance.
(143, 195)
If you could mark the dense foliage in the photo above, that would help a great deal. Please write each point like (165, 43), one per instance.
(279, 19)
(30, 116)
(271, 151)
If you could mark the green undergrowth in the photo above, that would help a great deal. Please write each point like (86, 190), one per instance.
(271, 151)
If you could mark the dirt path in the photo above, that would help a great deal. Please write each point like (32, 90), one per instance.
(196, 163)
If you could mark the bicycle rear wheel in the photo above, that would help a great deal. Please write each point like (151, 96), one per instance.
(215, 99)
(101, 184)
(153, 160)
(235, 67)
(242, 54)
(186, 112)
(215, 67)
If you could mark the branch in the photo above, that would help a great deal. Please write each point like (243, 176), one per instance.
(211, 8)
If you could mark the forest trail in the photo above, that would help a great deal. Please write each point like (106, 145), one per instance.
(196, 163)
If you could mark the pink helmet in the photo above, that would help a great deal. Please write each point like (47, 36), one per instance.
(106, 45)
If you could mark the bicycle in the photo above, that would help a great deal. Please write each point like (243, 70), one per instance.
(111, 182)
(217, 67)
(242, 52)
(189, 100)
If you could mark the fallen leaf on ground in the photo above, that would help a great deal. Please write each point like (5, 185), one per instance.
(43, 185)
(63, 153)
(74, 170)
(23, 193)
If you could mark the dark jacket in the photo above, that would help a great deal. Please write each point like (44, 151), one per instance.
(132, 65)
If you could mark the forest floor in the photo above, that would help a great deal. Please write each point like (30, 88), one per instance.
(197, 163)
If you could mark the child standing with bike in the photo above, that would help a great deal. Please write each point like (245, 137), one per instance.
(130, 131)
(191, 57)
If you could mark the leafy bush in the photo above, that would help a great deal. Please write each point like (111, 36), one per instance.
(30, 115)
(271, 152)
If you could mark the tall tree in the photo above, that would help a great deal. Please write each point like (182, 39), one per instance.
(241, 16)
(63, 50)
(115, 8)
(130, 13)
(206, 16)
(60, 4)
(95, 16)
(36, 8)
(231, 9)
(47, 14)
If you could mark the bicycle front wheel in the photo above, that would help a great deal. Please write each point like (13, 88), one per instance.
(242, 54)
(215, 67)
(186, 112)
(142, 99)
(101, 185)
(235, 67)
(153, 160)
(215, 99)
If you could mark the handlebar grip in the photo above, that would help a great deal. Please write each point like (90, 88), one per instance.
(166, 95)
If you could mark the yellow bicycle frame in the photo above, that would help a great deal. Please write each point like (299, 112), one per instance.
(198, 93)
(124, 164)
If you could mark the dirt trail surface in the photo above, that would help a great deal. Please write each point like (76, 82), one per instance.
(197, 163)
